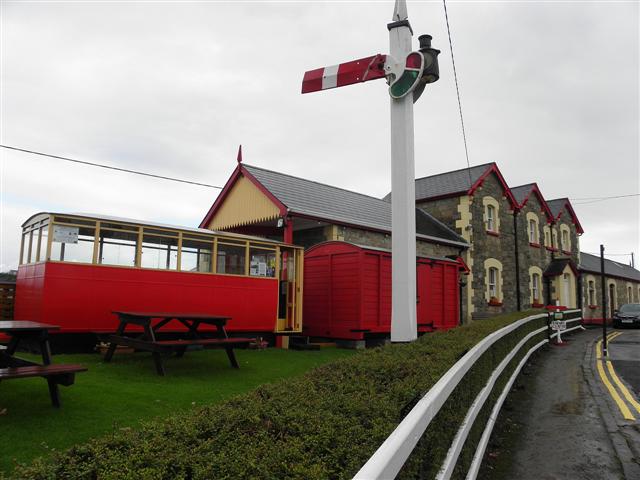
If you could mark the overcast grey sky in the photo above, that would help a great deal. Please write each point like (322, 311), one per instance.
(550, 91)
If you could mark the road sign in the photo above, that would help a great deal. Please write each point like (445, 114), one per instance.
(559, 325)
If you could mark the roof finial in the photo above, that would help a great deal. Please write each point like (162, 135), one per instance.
(240, 154)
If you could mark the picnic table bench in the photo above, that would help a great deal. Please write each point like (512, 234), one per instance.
(12, 367)
(151, 322)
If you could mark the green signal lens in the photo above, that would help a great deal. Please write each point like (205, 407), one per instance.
(404, 85)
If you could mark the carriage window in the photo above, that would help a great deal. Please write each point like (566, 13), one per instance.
(262, 263)
(72, 244)
(44, 231)
(159, 252)
(196, 256)
(231, 259)
(75, 221)
(117, 248)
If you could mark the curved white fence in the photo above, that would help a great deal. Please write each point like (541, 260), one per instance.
(387, 461)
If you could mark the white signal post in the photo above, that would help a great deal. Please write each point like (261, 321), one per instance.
(403, 200)
(407, 79)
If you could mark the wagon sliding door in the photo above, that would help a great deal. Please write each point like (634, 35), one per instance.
(290, 290)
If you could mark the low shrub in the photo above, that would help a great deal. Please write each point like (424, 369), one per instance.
(325, 424)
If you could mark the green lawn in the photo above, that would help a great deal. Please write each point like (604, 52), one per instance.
(121, 394)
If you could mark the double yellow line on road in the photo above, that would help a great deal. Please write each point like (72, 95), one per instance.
(624, 408)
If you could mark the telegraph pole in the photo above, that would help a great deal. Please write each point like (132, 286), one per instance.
(604, 303)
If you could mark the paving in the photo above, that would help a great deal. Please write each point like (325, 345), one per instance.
(560, 422)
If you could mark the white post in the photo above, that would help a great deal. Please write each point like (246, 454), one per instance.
(403, 215)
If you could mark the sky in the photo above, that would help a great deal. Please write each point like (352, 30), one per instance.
(550, 92)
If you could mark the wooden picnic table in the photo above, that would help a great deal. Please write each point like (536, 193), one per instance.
(12, 367)
(152, 322)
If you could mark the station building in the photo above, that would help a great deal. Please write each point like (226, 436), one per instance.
(519, 250)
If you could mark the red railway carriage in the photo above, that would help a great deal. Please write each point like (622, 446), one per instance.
(348, 292)
(76, 269)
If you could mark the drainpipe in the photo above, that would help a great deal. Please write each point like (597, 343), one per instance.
(515, 236)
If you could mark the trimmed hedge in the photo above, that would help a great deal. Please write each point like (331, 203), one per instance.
(325, 424)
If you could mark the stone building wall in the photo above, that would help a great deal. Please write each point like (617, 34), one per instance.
(531, 254)
(446, 210)
(592, 310)
(383, 240)
(311, 236)
(488, 246)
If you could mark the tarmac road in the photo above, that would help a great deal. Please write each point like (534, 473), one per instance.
(624, 352)
(558, 423)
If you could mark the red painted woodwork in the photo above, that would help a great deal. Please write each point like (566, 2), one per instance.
(80, 298)
(347, 293)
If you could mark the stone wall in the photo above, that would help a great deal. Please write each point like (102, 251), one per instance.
(499, 246)
(531, 254)
(445, 210)
(311, 236)
(593, 310)
(383, 240)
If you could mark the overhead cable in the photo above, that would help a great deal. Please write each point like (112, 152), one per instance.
(110, 167)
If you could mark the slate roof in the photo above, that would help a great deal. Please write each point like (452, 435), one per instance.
(447, 183)
(557, 205)
(557, 266)
(522, 192)
(319, 200)
(591, 263)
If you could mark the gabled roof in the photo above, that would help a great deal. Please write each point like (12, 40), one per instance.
(557, 266)
(591, 263)
(558, 205)
(315, 200)
(522, 193)
(458, 182)
(448, 183)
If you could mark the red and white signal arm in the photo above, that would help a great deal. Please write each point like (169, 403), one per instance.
(405, 82)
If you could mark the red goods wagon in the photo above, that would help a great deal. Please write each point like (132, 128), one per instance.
(348, 292)
(75, 270)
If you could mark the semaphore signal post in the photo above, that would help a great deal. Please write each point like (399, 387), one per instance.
(407, 74)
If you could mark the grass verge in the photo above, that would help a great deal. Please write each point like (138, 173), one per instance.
(116, 397)
(324, 424)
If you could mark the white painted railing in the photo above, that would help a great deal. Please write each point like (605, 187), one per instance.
(387, 461)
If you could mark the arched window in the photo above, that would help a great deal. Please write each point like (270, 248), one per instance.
(532, 231)
(491, 218)
(565, 238)
(591, 293)
(533, 228)
(535, 287)
(491, 214)
(493, 281)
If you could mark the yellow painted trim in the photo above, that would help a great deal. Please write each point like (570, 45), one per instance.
(565, 228)
(96, 243)
(244, 204)
(532, 216)
(493, 263)
(626, 413)
(466, 231)
(558, 283)
(486, 201)
(536, 270)
(591, 278)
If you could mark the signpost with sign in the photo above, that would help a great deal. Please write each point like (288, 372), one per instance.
(407, 72)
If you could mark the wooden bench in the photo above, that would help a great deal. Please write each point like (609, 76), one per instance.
(54, 374)
(180, 346)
